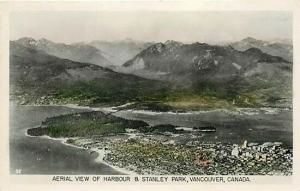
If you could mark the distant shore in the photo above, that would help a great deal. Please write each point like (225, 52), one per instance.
(123, 107)
(236, 111)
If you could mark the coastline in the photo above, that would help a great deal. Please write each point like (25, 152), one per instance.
(100, 153)
(236, 111)
(114, 109)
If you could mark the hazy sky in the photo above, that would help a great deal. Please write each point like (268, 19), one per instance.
(151, 26)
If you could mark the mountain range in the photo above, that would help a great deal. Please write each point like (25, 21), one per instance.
(173, 73)
(36, 75)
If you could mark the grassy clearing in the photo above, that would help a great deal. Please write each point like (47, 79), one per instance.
(194, 102)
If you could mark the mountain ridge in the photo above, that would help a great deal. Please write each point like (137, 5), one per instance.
(216, 69)
(35, 75)
(281, 48)
(74, 52)
(178, 57)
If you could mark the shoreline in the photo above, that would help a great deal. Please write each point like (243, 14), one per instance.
(236, 111)
(247, 155)
(100, 152)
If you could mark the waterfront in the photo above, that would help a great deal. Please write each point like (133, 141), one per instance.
(37, 155)
(231, 127)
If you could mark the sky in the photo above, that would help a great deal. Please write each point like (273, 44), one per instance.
(74, 26)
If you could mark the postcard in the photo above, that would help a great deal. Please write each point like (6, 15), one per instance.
(176, 95)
